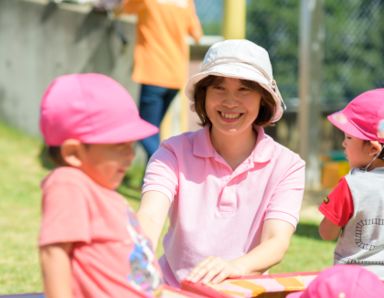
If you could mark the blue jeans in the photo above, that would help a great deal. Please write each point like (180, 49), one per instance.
(153, 104)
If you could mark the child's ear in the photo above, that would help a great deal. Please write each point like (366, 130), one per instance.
(70, 152)
(375, 148)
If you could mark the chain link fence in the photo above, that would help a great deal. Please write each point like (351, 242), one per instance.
(353, 48)
(211, 15)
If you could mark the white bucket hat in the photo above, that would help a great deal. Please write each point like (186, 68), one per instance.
(240, 59)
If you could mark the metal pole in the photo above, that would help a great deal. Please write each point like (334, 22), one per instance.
(234, 19)
(310, 75)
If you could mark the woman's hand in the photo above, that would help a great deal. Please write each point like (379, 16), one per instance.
(275, 238)
(214, 270)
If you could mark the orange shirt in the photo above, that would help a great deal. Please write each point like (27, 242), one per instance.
(161, 52)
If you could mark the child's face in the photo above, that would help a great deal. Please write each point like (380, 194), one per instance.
(231, 106)
(357, 151)
(107, 164)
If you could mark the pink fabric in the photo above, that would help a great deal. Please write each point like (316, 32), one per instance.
(348, 281)
(110, 257)
(363, 117)
(218, 211)
(338, 207)
(91, 108)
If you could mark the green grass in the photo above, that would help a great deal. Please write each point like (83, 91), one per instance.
(21, 171)
(307, 251)
(20, 176)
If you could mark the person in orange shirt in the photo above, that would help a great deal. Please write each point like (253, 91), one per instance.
(161, 55)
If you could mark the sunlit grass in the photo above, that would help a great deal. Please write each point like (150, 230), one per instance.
(20, 175)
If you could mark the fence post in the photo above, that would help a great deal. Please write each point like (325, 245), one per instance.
(310, 69)
(234, 19)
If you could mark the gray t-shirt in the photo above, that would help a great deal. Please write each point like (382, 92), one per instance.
(362, 239)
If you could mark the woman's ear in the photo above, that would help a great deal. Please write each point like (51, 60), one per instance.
(70, 152)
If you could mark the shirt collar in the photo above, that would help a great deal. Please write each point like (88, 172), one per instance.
(263, 151)
(202, 145)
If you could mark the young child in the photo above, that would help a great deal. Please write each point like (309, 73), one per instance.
(354, 210)
(233, 194)
(90, 243)
(343, 281)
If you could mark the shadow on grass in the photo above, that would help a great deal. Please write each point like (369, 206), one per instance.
(308, 230)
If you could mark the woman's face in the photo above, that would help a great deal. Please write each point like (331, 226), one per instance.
(231, 106)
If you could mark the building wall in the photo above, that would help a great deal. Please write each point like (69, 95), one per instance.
(39, 41)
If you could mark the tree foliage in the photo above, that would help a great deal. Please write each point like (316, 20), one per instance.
(353, 48)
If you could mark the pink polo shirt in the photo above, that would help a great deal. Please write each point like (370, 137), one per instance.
(217, 211)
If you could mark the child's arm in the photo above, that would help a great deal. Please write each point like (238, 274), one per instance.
(56, 268)
(328, 230)
(337, 209)
(275, 241)
(152, 214)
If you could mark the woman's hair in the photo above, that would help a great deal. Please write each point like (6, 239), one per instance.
(267, 104)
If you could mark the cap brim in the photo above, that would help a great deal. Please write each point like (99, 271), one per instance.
(136, 131)
(341, 121)
(236, 71)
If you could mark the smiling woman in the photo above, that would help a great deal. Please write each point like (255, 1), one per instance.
(227, 183)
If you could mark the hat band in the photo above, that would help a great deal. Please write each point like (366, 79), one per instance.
(226, 60)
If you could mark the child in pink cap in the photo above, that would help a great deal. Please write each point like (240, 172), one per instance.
(90, 242)
(232, 193)
(354, 210)
(343, 281)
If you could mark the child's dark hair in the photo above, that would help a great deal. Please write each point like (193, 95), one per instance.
(267, 104)
(381, 155)
(54, 153)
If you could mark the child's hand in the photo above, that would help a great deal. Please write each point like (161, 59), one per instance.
(214, 270)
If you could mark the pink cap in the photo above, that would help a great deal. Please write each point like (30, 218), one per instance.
(363, 117)
(343, 281)
(91, 108)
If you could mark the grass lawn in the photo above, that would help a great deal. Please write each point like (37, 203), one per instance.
(20, 176)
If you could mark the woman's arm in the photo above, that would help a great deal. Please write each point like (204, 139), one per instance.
(328, 230)
(152, 214)
(275, 239)
(56, 269)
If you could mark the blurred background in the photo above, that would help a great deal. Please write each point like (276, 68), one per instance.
(323, 52)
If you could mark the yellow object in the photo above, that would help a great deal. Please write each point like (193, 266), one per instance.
(332, 172)
(234, 19)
